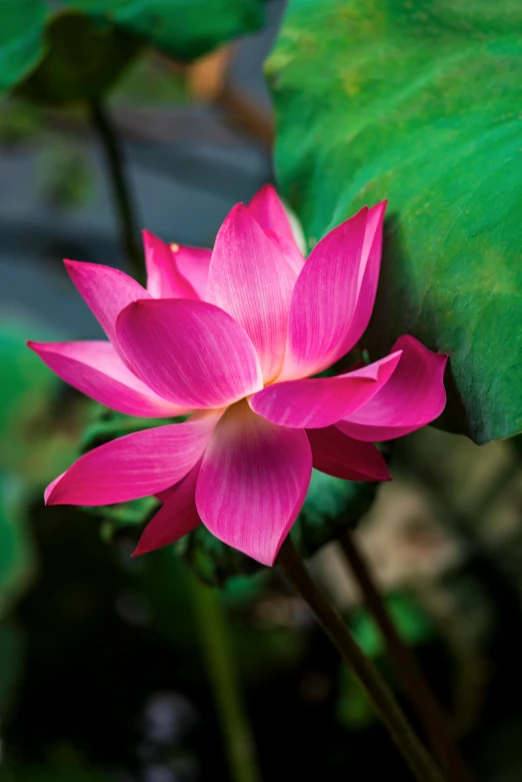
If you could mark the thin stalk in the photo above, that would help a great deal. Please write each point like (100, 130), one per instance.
(416, 756)
(215, 643)
(120, 188)
(407, 668)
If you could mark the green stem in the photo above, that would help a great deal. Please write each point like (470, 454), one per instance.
(215, 643)
(407, 668)
(383, 700)
(121, 192)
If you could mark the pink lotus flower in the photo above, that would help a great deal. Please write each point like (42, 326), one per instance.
(232, 337)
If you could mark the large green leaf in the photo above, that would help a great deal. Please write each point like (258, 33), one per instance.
(185, 29)
(21, 40)
(83, 60)
(418, 103)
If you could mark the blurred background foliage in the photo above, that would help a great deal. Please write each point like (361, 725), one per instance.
(112, 668)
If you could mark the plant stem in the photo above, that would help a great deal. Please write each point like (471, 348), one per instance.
(215, 643)
(407, 669)
(383, 700)
(120, 188)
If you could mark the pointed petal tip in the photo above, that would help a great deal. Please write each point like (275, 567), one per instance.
(71, 265)
(384, 476)
(50, 497)
(147, 238)
(239, 210)
(382, 473)
(141, 547)
(238, 214)
(411, 341)
(270, 561)
(379, 209)
(40, 347)
(265, 193)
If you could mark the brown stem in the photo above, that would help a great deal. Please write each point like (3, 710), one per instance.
(408, 743)
(407, 668)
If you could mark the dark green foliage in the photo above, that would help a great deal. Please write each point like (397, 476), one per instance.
(83, 60)
(78, 51)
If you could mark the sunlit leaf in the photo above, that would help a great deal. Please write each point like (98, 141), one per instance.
(418, 103)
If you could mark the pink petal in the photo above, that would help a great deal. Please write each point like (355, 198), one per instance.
(49, 490)
(105, 290)
(164, 280)
(253, 482)
(368, 272)
(318, 402)
(267, 209)
(193, 264)
(133, 466)
(95, 369)
(413, 397)
(290, 252)
(337, 454)
(250, 279)
(324, 300)
(190, 352)
(176, 518)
